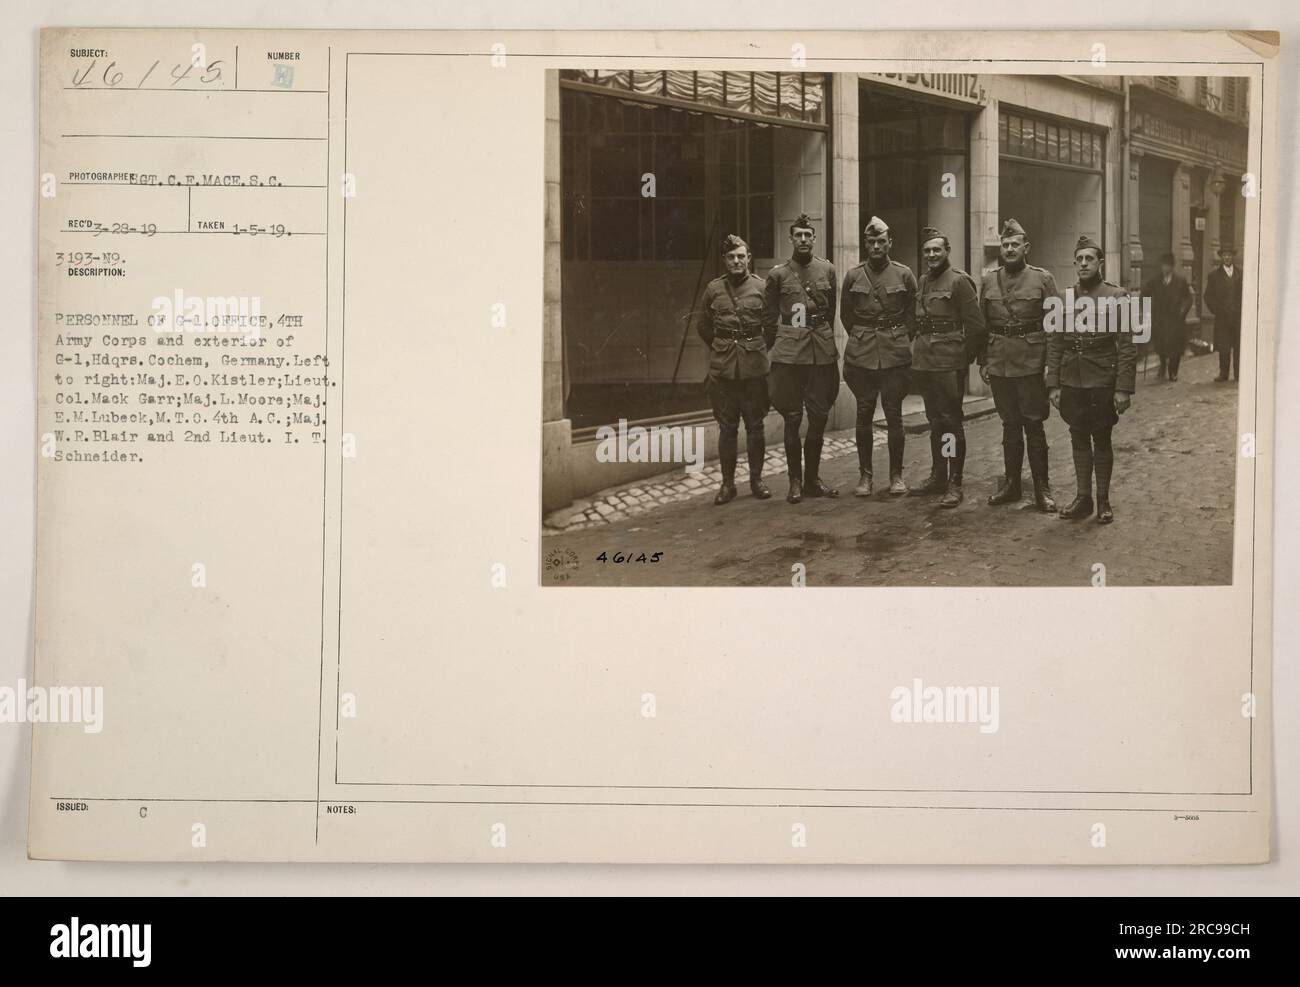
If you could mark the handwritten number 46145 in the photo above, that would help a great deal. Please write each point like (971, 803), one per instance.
(112, 77)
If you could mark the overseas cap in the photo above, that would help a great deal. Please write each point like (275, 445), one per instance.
(1085, 242)
(732, 242)
(877, 227)
(929, 233)
(1012, 228)
(804, 222)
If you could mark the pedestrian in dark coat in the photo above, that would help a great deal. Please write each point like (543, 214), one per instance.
(1223, 298)
(1171, 299)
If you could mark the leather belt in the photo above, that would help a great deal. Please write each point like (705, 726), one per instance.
(936, 325)
(1013, 329)
(814, 322)
(1079, 342)
(727, 334)
(878, 324)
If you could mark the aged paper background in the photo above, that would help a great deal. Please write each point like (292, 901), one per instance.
(733, 703)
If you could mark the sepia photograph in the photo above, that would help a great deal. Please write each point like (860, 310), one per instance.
(986, 320)
(892, 329)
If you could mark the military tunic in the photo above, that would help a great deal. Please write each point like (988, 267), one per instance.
(807, 338)
(1015, 353)
(948, 326)
(947, 317)
(734, 320)
(738, 327)
(1089, 363)
(877, 309)
(1013, 306)
(1092, 359)
(805, 360)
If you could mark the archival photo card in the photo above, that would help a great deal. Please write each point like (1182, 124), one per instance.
(778, 447)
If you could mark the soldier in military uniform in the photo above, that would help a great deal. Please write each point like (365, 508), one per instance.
(1091, 376)
(949, 332)
(805, 361)
(1012, 299)
(738, 327)
(877, 305)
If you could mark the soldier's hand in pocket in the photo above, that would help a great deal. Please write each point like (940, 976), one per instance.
(1122, 402)
(984, 374)
(1054, 395)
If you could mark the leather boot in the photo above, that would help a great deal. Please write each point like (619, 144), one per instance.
(1080, 507)
(756, 447)
(1008, 492)
(1043, 499)
(812, 459)
(935, 483)
(953, 495)
(1104, 514)
(864, 487)
(726, 492)
(1013, 457)
(795, 493)
(815, 488)
(897, 488)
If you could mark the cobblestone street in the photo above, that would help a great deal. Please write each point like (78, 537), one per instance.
(1172, 495)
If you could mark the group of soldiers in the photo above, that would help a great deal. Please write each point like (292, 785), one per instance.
(772, 343)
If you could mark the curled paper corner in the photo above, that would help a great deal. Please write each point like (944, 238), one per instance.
(1265, 43)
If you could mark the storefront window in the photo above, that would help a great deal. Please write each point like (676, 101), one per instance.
(787, 95)
(1051, 177)
(634, 263)
(747, 186)
(1043, 140)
